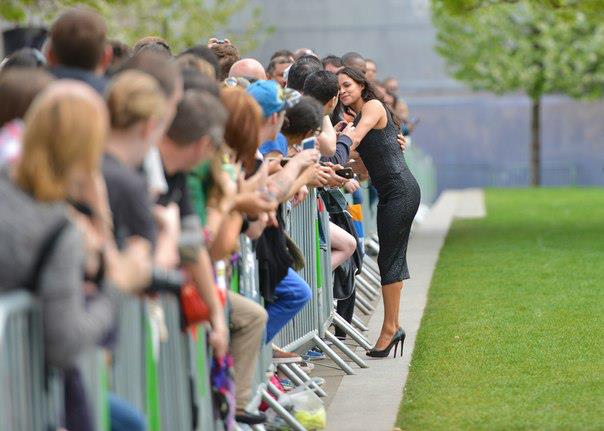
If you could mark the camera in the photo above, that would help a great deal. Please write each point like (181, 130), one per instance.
(165, 280)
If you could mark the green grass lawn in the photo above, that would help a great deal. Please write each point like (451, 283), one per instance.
(512, 336)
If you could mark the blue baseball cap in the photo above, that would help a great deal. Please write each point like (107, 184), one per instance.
(272, 97)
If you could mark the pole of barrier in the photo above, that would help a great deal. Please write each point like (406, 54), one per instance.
(333, 355)
(373, 280)
(173, 370)
(311, 322)
(364, 302)
(21, 363)
(359, 324)
(128, 369)
(364, 287)
(360, 280)
(306, 378)
(368, 273)
(344, 348)
(348, 329)
(362, 308)
(92, 366)
(300, 380)
(372, 265)
(373, 245)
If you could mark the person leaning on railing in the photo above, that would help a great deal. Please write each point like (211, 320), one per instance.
(284, 291)
(222, 199)
(64, 133)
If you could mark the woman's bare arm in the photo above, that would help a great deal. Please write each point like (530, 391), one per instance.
(373, 116)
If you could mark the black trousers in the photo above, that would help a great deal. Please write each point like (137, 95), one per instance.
(345, 308)
(78, 415)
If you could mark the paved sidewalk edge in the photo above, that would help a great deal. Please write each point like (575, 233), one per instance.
(369, 400)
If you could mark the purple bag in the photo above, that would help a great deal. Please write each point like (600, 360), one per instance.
(223, 391)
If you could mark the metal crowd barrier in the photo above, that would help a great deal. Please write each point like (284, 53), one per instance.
(423, 168)
(32, 396)
(169, 381)
(171, 387)
(25, 403)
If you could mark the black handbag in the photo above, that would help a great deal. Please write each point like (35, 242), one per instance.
(274, 259)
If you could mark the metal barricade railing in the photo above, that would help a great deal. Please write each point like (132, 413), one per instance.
(168, 381)
(30, 397)
(21, 363)
(129, 360)
(310, 325)
(200, 376)
(171, 387)
(303, 231)
(247, 266)
(173, 371)
(424, 170)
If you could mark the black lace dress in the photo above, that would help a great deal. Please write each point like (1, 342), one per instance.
(399, 197)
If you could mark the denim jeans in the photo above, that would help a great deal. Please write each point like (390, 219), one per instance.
(124, 416)
(291, 295)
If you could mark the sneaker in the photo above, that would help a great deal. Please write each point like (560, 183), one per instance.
(287, 384)
(245, 417)
(314, 354)
(307, 367)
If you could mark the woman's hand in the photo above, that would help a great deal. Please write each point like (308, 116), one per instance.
(402, 141)
(214, 41)
(359, 168)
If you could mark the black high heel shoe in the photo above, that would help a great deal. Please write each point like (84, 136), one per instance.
(399, 337)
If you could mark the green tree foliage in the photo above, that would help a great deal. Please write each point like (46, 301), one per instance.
(591, 7)
(182, 23)
(523, 46)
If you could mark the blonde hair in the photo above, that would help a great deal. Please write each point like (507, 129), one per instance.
(134, 96)
(65, 129)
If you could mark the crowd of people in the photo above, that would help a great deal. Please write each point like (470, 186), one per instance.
(134, 171)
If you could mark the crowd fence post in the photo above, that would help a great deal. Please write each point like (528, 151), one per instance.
(22, 400)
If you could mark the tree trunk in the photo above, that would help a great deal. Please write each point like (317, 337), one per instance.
(536, 142)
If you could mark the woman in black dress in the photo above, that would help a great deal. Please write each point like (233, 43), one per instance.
(374, 136)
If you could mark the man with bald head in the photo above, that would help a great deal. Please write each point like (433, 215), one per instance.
(248, 68)
(354, 60)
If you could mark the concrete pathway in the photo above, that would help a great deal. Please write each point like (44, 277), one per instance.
(369, 400)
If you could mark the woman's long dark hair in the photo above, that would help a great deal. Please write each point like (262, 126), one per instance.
(368, 93)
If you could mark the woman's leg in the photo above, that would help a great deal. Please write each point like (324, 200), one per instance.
(391, 294)
(343, 245)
